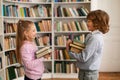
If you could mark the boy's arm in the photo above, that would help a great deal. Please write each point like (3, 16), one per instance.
(89, 50)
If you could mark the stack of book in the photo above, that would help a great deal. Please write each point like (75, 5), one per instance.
(77, 46)
(42, 52)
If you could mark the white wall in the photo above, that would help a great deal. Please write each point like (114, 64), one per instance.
(111, 53)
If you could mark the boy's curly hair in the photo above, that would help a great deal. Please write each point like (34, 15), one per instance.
(100, 20)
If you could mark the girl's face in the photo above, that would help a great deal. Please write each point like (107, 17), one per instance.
(31, 33)
(90, 25)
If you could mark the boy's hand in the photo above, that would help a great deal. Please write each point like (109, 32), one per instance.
(69, 41)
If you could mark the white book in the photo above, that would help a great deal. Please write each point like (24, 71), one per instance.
(71, 11)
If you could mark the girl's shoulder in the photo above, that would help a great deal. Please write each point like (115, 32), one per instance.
(28, 44)
(28, 47)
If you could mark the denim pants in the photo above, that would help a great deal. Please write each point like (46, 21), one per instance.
(88, 75)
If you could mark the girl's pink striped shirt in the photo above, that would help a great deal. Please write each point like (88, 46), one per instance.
(34, 68)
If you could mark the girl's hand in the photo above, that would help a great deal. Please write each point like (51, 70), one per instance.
(69, 41)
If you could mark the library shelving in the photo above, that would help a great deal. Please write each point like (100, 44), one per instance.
(38, 11)
(56, 21)
(69, 23)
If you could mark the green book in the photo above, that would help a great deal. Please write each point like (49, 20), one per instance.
(11, 72)
(37, 27)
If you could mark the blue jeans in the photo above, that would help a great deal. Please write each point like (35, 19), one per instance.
(88, 75)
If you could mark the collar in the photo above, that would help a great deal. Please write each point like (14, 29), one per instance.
(96, 31)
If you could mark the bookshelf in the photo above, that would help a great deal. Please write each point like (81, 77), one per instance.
(69, 22)
(60, 22)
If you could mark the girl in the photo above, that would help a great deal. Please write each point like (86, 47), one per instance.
(88, 61)
(26, 33)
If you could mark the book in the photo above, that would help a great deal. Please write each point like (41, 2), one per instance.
(79, 43)
(0, 62)
(1, 47)
(75, 50)
(42, 52)
(11, 73)
(77, 46)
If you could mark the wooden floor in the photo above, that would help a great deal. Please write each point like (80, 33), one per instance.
(102, 76)
(110, 76)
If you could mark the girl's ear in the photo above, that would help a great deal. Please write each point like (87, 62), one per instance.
(25, 33)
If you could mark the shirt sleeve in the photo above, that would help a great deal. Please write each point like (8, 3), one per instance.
(89, 50)
(27, 57)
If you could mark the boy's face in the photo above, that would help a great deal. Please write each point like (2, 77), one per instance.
(90, 25)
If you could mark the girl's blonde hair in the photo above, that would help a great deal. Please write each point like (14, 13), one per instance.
(22, 25)
(100, 20)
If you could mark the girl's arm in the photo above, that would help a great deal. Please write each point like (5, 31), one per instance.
(28, 57)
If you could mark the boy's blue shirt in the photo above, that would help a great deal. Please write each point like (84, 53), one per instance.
(90, 57)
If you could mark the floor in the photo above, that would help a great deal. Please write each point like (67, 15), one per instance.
(110, 76)
(102, 76)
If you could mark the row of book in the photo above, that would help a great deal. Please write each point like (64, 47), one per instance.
(60, 40)
(10, 42)
(68, 0)
(45, 25)
(76, 46)
(44, 40)
(20, 0)
(48, 0)
(42, 11)
(10, 57)
(10, 27)
(29, 0)
(65, 67)
(61, 54)
(13, 72)
(33, 11)
(71, 26)
(41, 26)
(70, 12)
